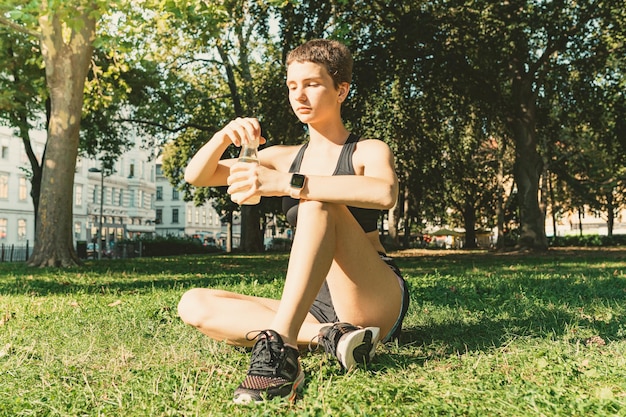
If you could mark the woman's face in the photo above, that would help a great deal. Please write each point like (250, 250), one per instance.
(312, 92)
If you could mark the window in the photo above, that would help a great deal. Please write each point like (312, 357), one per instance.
(189, 219)
(5, 152)
(21, 229)
(3, 229)
(175, 215)
(175, 194)
(197, 217)
(23, 191)
(4, 186)
(94, 197)
(140, 199)
(78, 195)
(159, 216)
(120, 202)
(77, 230)
(159, 193)
(203, 216)
(159, 170)
(131, 170)
(131, 195)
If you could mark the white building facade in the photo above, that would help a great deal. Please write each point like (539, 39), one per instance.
(176, 217)
(122, 202)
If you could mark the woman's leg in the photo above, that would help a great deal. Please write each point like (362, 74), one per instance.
(329, 244)
(228, 316)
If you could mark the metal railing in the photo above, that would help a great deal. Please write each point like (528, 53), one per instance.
(14, 253)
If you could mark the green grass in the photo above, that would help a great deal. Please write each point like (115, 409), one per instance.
(486, 335)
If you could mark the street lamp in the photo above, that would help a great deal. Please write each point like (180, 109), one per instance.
(99, 234)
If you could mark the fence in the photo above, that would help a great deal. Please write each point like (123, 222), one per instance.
(14, 253)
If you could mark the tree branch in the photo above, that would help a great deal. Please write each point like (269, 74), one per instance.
(200, 127)
(19, 28)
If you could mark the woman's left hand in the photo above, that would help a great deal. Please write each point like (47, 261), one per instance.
(243, 181)
(249, 179)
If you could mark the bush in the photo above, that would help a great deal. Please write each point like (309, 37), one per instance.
(165, 246)
(587, 240)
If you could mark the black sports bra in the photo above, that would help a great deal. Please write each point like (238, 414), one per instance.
(367, 218)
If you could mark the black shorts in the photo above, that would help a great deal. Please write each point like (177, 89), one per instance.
(324, 310)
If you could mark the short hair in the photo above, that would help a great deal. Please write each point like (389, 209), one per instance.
(334, 55)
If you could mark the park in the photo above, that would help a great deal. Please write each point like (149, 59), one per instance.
(486, 155)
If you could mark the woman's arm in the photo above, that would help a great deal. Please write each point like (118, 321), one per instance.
(206, 168)
(375, 185)
(376, 188)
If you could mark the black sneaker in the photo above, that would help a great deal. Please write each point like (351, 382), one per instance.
(351, 345)
(274, 371)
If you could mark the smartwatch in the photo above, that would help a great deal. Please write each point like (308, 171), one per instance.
(297, 184)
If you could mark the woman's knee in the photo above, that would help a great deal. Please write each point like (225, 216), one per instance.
(318, 209)
(195, 306)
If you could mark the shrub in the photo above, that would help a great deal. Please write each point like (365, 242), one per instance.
(587, 240)
(165, 246)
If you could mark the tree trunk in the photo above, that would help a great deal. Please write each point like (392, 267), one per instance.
(500, 204)
(66, 68)
(35, 180)
(553, 204)
(469, 222)
(610, 213)
(392, 225)
(229, 235)
(528, 166)
(251, 236)
(406, 241)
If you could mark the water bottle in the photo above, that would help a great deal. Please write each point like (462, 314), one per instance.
(249, 154)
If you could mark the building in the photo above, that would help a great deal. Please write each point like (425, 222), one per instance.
(122, 202)
(16, 206)
(585, 222)
(176, 217)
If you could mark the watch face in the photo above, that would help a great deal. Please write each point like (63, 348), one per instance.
(297, 181)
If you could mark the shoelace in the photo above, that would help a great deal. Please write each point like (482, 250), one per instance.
(264, 358)
(327, 342)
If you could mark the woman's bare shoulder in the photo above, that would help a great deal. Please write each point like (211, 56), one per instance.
(373, 146)
(372, 151)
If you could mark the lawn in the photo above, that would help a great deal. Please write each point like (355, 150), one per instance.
(486, 335)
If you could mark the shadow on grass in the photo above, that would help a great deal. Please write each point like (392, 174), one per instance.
(144, 274)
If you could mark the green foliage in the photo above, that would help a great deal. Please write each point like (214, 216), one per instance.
(588, 240)
(485, 335)
(166, 246)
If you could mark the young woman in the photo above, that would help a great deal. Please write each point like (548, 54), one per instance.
(341, 290)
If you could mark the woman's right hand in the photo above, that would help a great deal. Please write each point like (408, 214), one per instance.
(206, 168)
(243, 131)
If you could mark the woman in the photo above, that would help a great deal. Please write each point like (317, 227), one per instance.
(341, 290)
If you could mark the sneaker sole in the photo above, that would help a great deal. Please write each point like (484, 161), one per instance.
(358, 347)
(245, 399)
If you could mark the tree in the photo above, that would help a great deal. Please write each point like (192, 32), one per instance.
(66, 38)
